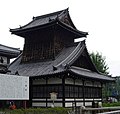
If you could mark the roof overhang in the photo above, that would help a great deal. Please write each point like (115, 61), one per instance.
(90, 75)
(21, 31)
(77, 33)
(9, 51)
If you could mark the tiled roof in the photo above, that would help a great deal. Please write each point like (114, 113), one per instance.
(49, 20)
(72, 56)
(42, 20)
(67, 57)
(89, 74)
(41, 68)
(9, 51)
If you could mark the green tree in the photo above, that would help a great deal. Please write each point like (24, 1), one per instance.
(100, 62)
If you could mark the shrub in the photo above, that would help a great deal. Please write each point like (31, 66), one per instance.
(111, 104)
(56, 110)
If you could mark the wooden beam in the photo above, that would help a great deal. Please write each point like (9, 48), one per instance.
(63, 88)
(46, 91)
(30, 92)
(83, 90)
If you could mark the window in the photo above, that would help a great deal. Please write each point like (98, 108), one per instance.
(67, 91)
(80, 91)
(43, 91)
(76, 93)
(73, 91)
(92, 92)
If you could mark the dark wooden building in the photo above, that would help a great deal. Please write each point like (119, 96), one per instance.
(55, 63)
(7, 53)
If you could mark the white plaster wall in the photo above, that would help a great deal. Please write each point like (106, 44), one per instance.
(69, 99)
(54, 81)
(78, 82)
(69, 81)
(14, 87)
(88, 103)
(56, 104)
(79, 104)
(98, 99)
(78, 99)
(39, 81)
(39, 104)
(55, 100)
(89, 99)
(88, 83)
(68, 104)
(38, 99)
(97, 84)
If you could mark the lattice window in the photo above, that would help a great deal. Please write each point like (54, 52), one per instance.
(43, 91)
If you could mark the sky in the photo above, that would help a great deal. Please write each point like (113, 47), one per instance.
(100, 18)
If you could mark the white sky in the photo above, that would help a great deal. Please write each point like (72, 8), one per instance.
(100, 18)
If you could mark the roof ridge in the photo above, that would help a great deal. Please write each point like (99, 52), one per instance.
(79, 68)
(15, 60)
(77, 50)
(62, 24)
(40, 17)
(50, 14)
(10, 47)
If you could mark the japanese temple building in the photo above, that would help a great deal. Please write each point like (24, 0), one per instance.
(55, 63)
(7, 90)
(7, 53)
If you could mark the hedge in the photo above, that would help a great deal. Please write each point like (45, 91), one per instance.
(56, 110)
(111, 104)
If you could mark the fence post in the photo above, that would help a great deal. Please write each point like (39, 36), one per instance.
(82, 109)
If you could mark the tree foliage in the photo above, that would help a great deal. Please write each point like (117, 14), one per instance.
(100, 62)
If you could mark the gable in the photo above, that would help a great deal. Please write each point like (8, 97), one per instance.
(84, 61)
(65, 18)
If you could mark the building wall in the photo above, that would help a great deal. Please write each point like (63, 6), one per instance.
(75, 91)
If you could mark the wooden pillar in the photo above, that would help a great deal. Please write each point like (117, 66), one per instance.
(46, 91)
(54, 31)
(74, 91)
(24, 104)
(83, 90)
(92, 90)
(8, 60)
(63, 88)
(101, 91)
(30, 92)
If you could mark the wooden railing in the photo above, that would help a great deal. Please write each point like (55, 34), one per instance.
(111, 112)
(101, 110)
